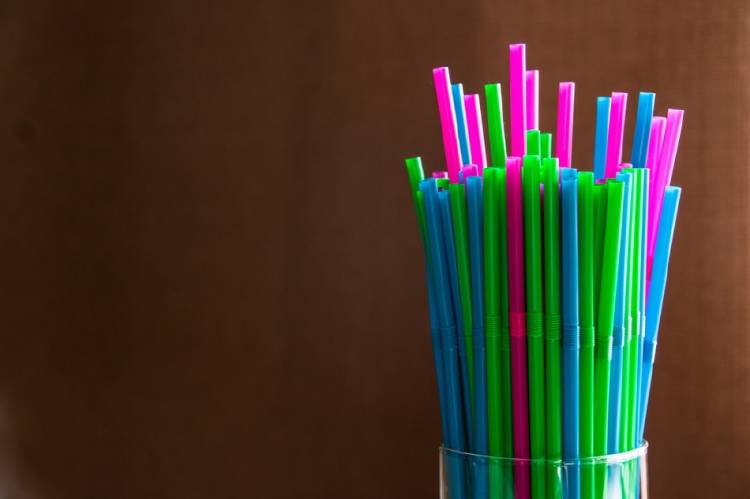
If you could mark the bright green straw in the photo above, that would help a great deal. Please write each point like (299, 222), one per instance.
(635, 270)
(586, 304)
(457, 195)
(605, 322)
(552, 331)
(546, 145)
(492, 320)
(600, 214)
(506, 407)
(629, 351)
(533, 143)
(532, 225)
(496, 129)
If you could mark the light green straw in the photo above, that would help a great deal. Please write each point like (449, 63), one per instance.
(495, 127)
(586, 304)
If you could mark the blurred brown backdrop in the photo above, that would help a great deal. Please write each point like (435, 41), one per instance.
(212, 282)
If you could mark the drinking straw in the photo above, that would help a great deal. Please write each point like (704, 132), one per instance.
(603, 105)
(571, 332)
(654, 145)
(448, 125)
(495, 126)
(605, 322)
(476, 251)
(618, 330)
(446, 322)
(518, 100)
(565, 106)
(534, 319)
(506, 403)
(439, 174)
(663, 176)
(656, 296)
(641, 302)
(476, 131)
(450, 252)
(533, 143)
(416, 175)
(552, 330)
(532, 99)
(635, 236)
(586, 302)
(463, 132)
(545, 140)
(616, 132)
(492, 321)
(655, 139)
(642, 129)
(630, 314)
(457, 196)
(517, 306)
(600, 213)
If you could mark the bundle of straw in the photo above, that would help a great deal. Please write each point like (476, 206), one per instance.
(545, 282)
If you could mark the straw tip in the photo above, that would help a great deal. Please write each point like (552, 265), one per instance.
(517, 46)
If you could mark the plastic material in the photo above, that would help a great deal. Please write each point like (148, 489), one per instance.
(518, 100)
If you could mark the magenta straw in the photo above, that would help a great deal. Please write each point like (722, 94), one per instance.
(476, 131)
(447, 122)
(518, 100)
(532, 99)
(516, 298)
(442, 174)
(469, 171)
(616, 132)
(565, 104)
(655, 139)
(662, 178)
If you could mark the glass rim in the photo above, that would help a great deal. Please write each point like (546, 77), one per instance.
(619, 457)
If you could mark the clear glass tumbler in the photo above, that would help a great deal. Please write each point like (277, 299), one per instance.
(615, 476)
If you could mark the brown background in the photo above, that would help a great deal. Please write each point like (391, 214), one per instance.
(212, 280)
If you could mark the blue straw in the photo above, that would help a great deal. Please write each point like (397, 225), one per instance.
(447, 325)
(603, 105)
(450, 250)
(662, 250)
(642, 129)
(571, 338)
(463, 131)
(476, 251)
(615, 381)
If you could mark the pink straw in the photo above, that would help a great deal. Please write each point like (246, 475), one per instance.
(470, 171)
(655, 139)
(476, 130)
(532, 99)
(447, 121)
(616, 131)
(565, 103)
(662, 178)
(518, 362)
(442, 174)
(518, 100)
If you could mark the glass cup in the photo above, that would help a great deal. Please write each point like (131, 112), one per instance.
(615, 476)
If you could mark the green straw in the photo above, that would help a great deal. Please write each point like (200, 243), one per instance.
(532, 225)
(546, 145)
(586, 304)
(533, 143)
(605, 321)
(457, 195)
(492, 320)
(600, 214)
(552, 330)
(496, 129)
